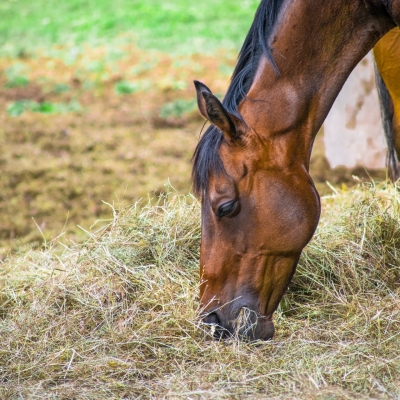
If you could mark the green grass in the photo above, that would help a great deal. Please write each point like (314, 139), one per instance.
(177, 108)
(19, 107)
(126, 87)
(179, 26)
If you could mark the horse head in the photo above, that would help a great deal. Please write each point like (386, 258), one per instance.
(258, 213)
(250, 168)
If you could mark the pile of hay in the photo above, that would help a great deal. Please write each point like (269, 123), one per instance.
(116, 317)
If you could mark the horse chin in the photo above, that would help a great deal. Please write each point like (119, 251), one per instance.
(256, 328)
(265, 330)
(248, 326)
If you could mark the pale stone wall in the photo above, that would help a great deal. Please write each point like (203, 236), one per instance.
(353, 132)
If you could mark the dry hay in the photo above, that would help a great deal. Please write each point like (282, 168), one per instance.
(116, 318)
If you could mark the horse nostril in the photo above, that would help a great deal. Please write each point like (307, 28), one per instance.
(217, 330)
(211, 319)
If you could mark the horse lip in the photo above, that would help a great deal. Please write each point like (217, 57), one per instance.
(251, 324)
(257, 327)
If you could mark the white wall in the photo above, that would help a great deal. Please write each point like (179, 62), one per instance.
(353, 132)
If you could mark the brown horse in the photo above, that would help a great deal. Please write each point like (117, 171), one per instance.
(259, 205)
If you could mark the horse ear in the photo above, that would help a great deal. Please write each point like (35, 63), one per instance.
(215, 112)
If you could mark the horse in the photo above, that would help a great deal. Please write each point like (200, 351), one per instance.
(259, 205)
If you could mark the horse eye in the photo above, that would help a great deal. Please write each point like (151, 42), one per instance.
(226, 209)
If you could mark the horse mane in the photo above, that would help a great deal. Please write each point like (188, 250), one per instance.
(206, 158)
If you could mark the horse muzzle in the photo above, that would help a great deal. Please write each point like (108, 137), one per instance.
(243, 323)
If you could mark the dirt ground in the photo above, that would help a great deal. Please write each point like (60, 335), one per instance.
(104, 130)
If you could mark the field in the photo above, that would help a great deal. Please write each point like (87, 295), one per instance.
(98, 296)
(96, 112)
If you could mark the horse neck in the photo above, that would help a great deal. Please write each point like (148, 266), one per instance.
(315, 48)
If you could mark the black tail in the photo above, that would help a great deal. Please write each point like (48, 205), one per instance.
(387, 112)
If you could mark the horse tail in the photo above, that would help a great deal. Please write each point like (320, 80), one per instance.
(387, 112)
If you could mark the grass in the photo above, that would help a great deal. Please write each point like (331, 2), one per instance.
(117, 316)
(175, 26)
(20, 106)
(178, 108)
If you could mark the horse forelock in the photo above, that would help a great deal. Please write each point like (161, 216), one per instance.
(206, 157)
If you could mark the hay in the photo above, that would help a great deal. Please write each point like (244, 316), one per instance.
(116, 318)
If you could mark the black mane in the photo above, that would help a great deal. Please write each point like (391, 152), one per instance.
(206, 157)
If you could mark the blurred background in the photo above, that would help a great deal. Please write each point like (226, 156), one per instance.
(98, 106)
